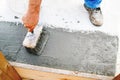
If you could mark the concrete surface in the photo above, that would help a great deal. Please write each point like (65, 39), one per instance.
(11, 39)
(84, 51)
(67, 14)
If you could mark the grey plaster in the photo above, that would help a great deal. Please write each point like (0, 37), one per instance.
(89, 52)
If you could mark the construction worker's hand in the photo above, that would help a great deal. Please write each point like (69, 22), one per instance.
(31, 18)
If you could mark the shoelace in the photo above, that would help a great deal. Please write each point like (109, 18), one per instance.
(97, 10)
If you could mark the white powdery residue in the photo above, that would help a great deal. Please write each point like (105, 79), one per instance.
(68, 14)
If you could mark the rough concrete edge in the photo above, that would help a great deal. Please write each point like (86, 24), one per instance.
(117, 71)
(16, 22)
(62, 29)
(59, 71)
(82, 31)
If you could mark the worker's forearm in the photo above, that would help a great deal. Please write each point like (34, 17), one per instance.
(36, 2)
(34, 5)
(31, 18)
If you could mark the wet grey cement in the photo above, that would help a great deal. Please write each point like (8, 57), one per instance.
(89, 52)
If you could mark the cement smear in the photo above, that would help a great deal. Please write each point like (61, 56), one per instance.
(89, 52)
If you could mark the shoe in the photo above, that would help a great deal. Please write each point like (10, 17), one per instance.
(95, 15)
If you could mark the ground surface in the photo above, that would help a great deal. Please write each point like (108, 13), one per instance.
(71, 15)
(90, 52)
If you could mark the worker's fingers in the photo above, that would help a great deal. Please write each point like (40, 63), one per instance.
(29, 23)
(30, 20)
(30, 29)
